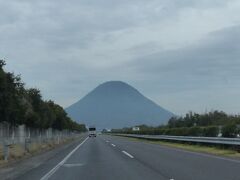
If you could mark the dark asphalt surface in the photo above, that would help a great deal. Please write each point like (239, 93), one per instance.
(118, 158)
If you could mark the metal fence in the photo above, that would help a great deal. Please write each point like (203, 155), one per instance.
(206, 140)
(24, 136)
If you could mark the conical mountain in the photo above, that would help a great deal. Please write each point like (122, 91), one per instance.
(115, 104)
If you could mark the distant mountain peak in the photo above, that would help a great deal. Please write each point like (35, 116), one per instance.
(115, 88)
(114, 83)
(116, 104)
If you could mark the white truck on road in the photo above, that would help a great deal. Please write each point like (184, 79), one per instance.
(92, 131)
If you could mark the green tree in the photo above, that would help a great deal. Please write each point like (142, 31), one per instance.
(26, 106)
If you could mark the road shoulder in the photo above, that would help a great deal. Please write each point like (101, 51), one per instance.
(208, 150)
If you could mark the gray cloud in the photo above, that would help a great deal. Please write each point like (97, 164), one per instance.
(205, 70)
(173, 51)
(215, 54)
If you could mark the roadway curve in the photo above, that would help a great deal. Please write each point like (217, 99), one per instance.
(118, 158)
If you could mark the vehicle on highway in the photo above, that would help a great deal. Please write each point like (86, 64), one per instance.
(92, 131)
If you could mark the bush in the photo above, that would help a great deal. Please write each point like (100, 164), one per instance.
(229, 130)
(211, 131)
(195, 131)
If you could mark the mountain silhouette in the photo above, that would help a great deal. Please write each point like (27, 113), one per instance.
(116, 104)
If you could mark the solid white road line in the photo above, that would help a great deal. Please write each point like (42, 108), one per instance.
(113, 145)
(50, 173)
(129, 155)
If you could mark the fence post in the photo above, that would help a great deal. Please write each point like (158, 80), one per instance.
(58, 138)
(49, 135)
(40, 137)
(27, 139)
(21, 130)
(6, 149)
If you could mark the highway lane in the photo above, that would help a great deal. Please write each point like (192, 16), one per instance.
(180, 164)
(100, 160)
(110, 157)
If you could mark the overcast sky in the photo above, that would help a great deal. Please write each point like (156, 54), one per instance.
(183, 54)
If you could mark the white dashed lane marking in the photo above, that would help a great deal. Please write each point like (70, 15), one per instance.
(72, 165)
(127, 154)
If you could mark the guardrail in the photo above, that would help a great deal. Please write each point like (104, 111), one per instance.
(205, 140)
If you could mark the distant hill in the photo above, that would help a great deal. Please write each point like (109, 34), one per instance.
(115, 104)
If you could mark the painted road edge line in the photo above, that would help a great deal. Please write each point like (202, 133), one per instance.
(52, 171)
(129, 155)
(113, 145)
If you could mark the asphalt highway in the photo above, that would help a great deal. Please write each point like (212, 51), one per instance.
(118, 158)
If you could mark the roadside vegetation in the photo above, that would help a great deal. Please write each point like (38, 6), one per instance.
(209, 149)
(17, 151)
(46, 121)
(210, 124)
(19, 105)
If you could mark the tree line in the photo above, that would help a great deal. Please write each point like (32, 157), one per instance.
(209, 124)
(19, 105)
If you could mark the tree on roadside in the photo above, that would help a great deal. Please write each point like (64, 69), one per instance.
(26, 106)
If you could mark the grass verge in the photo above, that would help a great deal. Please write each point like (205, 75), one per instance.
(215, 150)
